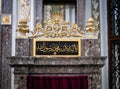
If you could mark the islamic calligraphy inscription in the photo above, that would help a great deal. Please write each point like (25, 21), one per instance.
(56, 47)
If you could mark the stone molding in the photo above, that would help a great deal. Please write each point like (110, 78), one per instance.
(59, 66)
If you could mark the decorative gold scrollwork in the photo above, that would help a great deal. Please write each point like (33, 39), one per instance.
(57, 28)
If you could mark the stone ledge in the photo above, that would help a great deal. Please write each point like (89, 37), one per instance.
(33, 61)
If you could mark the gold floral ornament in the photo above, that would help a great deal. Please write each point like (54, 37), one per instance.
(57, 27)
(76, 31)
(38, 31)
(5, 19)
(22, 29)
(91, 28)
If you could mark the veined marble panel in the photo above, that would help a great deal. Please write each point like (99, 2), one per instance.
(38, 11)
(96, 15)
(24, 47)
(5, 43)
(89, 47)
(96, 12)
(80, 13)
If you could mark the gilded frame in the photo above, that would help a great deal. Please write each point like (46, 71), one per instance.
(57, 40)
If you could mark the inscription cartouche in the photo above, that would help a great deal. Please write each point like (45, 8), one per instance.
(56, 47)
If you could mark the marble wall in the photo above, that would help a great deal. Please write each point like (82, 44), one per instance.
(5, 47)
(24, 47)
(89, 47)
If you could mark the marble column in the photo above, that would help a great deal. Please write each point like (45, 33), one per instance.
(5, 43)
(0, 58)
(80, 13)
(38, 11)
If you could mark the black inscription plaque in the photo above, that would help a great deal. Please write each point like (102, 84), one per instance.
(56, 47)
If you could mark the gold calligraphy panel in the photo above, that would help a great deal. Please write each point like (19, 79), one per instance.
(56, 47)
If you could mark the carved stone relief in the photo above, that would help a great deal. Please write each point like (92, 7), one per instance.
(95, 12)
(96, 16)
(24, 9)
